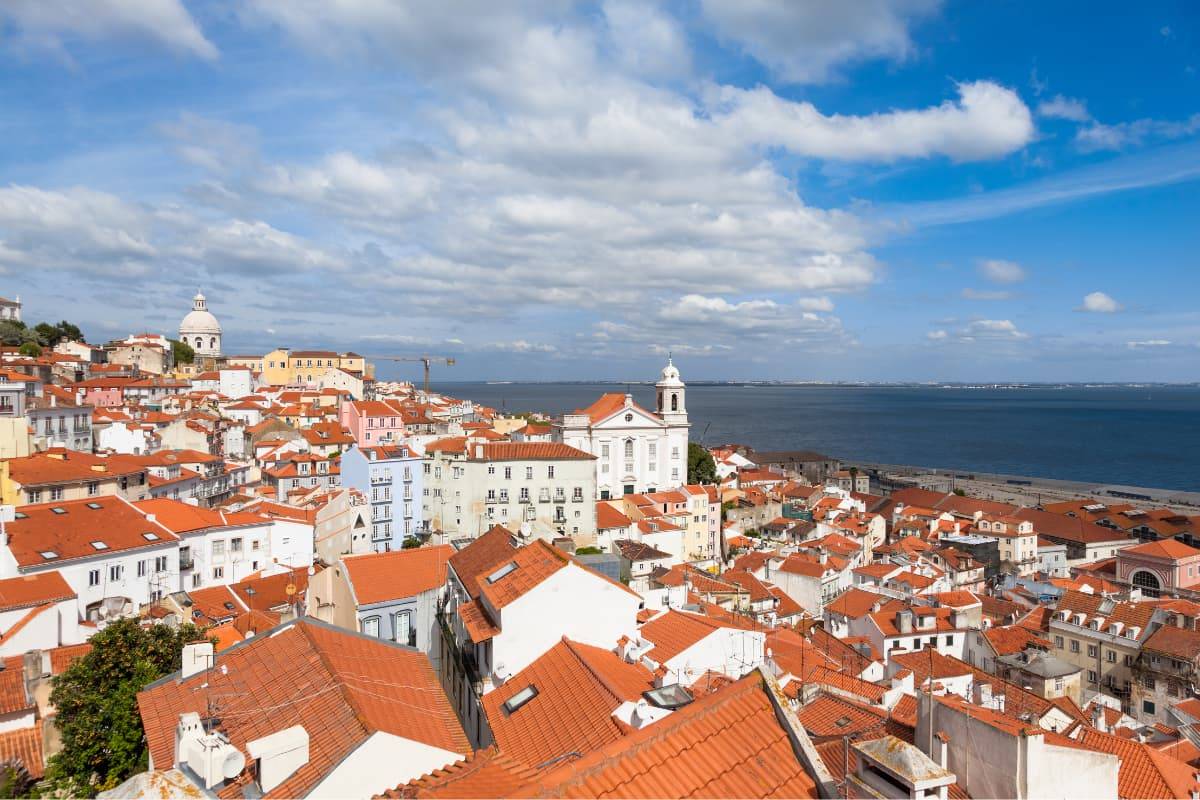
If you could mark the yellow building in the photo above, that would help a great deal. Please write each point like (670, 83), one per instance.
(285, 367)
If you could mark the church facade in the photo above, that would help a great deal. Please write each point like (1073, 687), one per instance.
(200, 329)
(636, 450)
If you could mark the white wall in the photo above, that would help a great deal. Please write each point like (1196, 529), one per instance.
(572, 602)
(382, 762)
(729, 651)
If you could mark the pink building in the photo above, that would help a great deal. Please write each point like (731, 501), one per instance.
(373, 422)
(1161, 566)
(100, 394)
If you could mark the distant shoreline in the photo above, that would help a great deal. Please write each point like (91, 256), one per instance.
(840, 384)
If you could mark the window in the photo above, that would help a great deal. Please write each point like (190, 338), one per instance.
(235, 544)
(56, 493)
(218, 548)
(1147, 707)
(141, 569)
(508, 473)
(949, 641)
(520, 698)
(1112, 656)
(93, 488)
(94, 577)
(604, 451)
(1058, 684)
(550, 471)
(1091, 651)
(405, 631)
(116, 572)
(629, 448)
(160, 564)
(1091, 676)
(35, 496)
(491, 469)
(218, 573)
(1074, 646)
(1058, 642)
(370, 627)
(529, 473)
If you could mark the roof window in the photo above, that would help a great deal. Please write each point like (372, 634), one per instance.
(671, 696)
(95, 506)
(99, 545)
(49, 555)
(59, 510)
(150, 537)
(500, 573)
(20, 515)
(520, 698)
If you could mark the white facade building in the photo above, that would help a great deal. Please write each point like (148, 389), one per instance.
(636, 450)
(200, 329)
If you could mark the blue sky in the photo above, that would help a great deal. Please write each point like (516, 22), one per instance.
(877, 190)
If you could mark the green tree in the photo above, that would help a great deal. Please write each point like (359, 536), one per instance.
(14, 332)
(15, 780)
(31, 349)
(96, 697)
(701, 466)
(182, 352)
(588, 551)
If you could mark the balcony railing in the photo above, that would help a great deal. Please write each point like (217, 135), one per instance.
(379, 480)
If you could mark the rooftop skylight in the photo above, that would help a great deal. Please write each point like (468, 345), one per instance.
(520, 698)
(99, 545)
(500, 573)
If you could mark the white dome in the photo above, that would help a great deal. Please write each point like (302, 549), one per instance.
(670, 374)
(199, 322)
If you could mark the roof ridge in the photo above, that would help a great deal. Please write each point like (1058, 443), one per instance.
(602, 680)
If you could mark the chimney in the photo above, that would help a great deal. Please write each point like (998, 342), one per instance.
(279, 755)
(904, 620)
(479, 451)
(197, 657)
(983, 694)
(1099, 722)
(940, 748)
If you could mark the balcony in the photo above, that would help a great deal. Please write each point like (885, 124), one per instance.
(185, 563)
(560, 497)
(381, 514)
(381, 479)
(577, 497)
(544, 496)
(491, 500)
(525, 499)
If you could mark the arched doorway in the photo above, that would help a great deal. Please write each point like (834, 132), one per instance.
(1146, 581)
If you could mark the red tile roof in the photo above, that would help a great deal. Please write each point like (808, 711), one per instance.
(24, 745)
(726, 744)
(107, 519)
(1163, 548)
(487, 774)
(676, 631)
(478, 558)
(378, 577)
(339, 685)
(1144, 771)
(26, 591)
(578, 688)
(609, 517)
(607, 405)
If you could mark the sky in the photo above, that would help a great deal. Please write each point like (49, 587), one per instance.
(878, 190)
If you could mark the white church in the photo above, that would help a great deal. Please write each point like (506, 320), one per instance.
(200, 329)
(636, 450)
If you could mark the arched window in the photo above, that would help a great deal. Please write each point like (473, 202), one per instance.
(199, 343)
(674, 402)
(629, 448)
(1147, 582)
(212, 343)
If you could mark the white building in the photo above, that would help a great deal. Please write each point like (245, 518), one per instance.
(38, 612)
(636, 450)
(539, 489)
(200, 329)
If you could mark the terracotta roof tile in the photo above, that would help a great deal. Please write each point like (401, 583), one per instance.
(111, 520)
(25, 745)
(378, 577)
(340, 685)
(30, 590)
(479, 557)
(487, 774)
(725, 744)
(578, 688)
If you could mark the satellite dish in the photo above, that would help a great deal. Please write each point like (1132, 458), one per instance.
(526, 528)
(290, 589)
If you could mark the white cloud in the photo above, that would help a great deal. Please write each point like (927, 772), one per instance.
(804, 42)
(1068, 108)
(991, 329)
(999, 271)
(983, 294)
(1147, 343)
(937, 336)
(988, 121)
(647, 41)
(1100, 303)
(52, 24)
(1122, 135)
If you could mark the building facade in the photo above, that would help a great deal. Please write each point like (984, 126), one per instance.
(201, 330)
(636, 450)
(392, 479)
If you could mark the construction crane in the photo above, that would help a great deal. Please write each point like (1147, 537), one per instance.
(424, 360)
